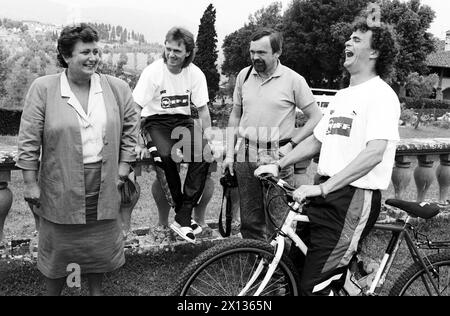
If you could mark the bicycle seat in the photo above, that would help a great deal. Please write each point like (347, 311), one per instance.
(422, 210)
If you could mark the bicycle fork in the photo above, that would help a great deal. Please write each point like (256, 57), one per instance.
(280, 243)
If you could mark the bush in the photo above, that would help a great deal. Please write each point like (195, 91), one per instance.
(220, 114)
(10, 122)
(412, 103)
(408, 116)
(444, 125)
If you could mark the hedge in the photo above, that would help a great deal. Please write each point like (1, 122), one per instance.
(9, 122)
(411, 103)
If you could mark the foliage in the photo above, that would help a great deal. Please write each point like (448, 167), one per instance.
(443, 125)
(315, 32)
(411, 20)
(236, 45)
(114, 34)
(206, 56)
(421, 86)
(35, 59)
(412, 103)
(9, 122)
(408, 116)
(3, 70)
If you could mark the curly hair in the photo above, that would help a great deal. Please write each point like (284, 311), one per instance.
(70, 35)
(181, 35)
(384, 41)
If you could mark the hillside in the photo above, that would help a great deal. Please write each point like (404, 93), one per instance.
(115, 40)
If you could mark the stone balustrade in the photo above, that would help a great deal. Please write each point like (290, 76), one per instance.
(427, 152)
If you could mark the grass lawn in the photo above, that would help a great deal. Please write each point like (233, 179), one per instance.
(153, 275)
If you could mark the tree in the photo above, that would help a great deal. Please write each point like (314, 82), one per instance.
(314, 33)
(420, 87)
(113, 34)
(411, 20)
(206, 57)
(236, 45)
(3, 71)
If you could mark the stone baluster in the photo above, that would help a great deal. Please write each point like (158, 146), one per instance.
(443, 177)
(6, 199)
(401, 176)
(300, 173)
(424, 176)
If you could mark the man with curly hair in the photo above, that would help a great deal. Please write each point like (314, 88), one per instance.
(356, 140)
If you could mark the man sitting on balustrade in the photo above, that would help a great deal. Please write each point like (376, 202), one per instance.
(356, 140)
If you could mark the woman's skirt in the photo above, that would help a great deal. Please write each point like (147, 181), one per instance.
(96, 247)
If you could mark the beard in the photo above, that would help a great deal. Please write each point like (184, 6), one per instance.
(259, 65)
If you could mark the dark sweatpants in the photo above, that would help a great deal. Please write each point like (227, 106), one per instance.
(169, 132)
(337, 225)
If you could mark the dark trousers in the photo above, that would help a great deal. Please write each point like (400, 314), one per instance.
(337, 226)
(254, 222)
(172, 132)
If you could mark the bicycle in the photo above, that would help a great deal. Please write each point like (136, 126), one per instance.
(239, 267)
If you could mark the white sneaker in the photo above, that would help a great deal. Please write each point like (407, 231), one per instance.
(185, 232)
(196, 228)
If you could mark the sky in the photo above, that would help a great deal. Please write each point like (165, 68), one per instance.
(154, 17)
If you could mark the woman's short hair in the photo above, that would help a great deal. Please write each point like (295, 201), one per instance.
(384, 41)
(70, 35)
(276, 39)
(181, 35)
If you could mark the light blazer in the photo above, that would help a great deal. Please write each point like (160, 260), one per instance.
(50, 127)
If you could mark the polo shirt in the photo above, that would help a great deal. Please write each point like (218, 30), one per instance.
(269, 105)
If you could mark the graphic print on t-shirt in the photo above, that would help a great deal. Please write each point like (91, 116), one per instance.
(341, 126)
(172, 102)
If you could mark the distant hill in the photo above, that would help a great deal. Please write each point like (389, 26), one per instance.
(139, 53)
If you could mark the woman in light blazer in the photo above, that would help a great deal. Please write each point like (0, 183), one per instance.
(79, 130)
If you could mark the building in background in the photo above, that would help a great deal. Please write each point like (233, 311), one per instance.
(439, 63)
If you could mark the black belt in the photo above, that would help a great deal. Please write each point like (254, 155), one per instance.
(268, 146)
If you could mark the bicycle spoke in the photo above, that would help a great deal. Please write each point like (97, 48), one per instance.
(228, 271)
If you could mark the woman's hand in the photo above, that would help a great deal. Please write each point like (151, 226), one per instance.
(32, 194)
(124, 172)
(306, 191)
(228, 163)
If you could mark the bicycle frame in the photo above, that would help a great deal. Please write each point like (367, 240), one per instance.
(400, 231)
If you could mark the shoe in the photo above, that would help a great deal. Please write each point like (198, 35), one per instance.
(185, 232)
(196, 228)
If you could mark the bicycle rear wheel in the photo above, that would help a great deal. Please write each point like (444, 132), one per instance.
(415, 282)
(227, 268)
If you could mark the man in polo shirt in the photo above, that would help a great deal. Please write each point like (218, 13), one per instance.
(357, 143)
(265, 100)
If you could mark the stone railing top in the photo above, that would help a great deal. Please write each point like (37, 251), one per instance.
(421, 146)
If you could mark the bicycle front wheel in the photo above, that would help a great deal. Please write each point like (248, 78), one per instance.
(234, 265)
(415, 281)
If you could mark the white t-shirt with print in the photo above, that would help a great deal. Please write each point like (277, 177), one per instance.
(158, 91)
(357, 115)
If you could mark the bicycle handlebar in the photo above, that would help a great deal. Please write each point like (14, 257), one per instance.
(287, 188)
